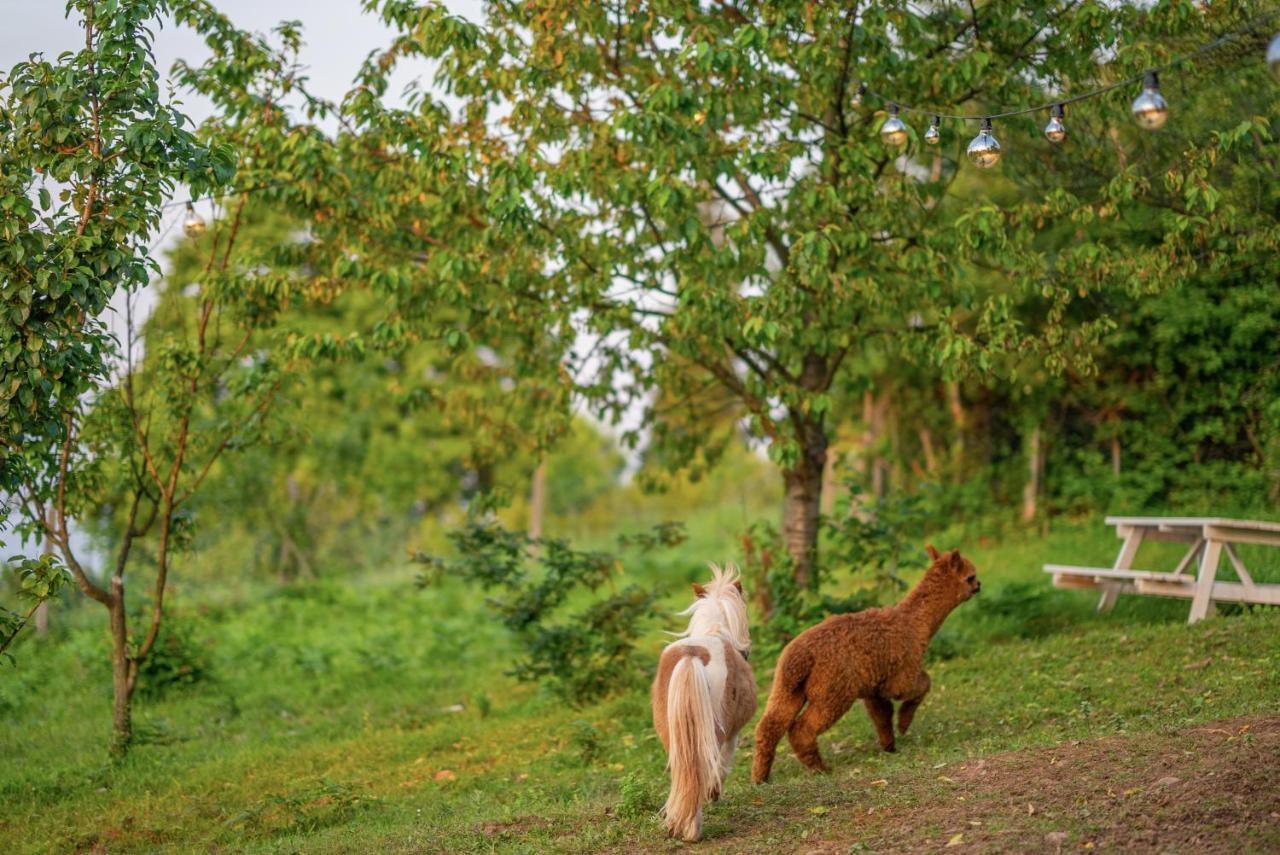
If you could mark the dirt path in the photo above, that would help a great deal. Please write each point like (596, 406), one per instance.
(1211, 788)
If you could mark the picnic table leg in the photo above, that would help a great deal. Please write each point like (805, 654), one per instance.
(1203, 599)
(1124, 561)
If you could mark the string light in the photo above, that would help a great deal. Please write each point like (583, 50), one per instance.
(894, 131)
(193, 223)
(1056, 131)
(984, 149)
(1273, 56)
(933, 135)
(1149, 108)
(858, 95)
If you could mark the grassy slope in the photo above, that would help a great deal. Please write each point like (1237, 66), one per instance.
(328, 730)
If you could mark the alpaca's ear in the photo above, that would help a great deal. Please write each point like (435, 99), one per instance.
(699, 590)
(737, 583)
(933, 553)
(954, 559)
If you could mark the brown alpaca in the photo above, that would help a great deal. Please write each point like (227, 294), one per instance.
(874, 655)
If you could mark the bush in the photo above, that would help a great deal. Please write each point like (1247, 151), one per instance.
(177, 660)
(580, 655)
(637, 798)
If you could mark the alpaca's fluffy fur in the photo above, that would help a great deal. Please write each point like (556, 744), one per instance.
(874, 655)
(703, 694)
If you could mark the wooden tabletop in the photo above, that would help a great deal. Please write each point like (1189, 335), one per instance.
(1195, 523)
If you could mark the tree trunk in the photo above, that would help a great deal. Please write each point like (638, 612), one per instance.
(803, 502)
(961, 420)
(42, 610)
(538, 499)
(1031, 490)
(828, 480)
(1115, 456)
(122, 685)
(930, 457)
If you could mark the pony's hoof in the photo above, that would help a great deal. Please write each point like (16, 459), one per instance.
(890, 748)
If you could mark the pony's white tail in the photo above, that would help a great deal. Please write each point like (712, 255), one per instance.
(694, 760)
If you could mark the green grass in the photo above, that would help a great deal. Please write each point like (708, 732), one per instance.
(328, 724)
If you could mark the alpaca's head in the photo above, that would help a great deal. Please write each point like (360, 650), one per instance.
(954, 574)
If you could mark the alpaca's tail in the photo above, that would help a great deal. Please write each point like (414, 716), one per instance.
(785, 700)
(694, 760)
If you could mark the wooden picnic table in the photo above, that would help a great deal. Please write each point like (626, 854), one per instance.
(1209, 539)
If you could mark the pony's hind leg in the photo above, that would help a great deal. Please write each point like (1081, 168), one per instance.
(727, 750)
(881, 712)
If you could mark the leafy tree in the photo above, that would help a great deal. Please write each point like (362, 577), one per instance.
(90, 152)
(711, 205)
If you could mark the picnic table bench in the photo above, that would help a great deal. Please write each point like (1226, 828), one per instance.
(1209, 538)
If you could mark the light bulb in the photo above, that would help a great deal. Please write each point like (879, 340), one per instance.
(857, 96)
(193, 224)
(893, 131)
(1273, 56)
(1149, 108)
(933, 135)
(1055, 131)
(984, 150)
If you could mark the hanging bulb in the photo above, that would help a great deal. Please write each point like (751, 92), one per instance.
(893, 131)
(1149, 108)
(1273, 57)
(1056, 131)
(984, 150)
(933, 135)
(857, 96)
(193, 225)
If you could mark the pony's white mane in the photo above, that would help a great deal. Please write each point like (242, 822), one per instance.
(721, 610)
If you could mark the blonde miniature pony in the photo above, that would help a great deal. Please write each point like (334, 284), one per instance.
(703, 695)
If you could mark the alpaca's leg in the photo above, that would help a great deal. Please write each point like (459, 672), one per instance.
(803, 735)
(907, 711)
(779, 713)
(881, 712)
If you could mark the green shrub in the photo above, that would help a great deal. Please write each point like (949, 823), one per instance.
(580, 655)
(178, 660)
(637, 797)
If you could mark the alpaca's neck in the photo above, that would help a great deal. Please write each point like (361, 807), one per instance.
(927, 605)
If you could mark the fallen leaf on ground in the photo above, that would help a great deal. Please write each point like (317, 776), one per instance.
(818, 809)
(1196, 666)
(445, 775)
(1031, 809)
(956, 840)
(1168, 781)
(880, 783)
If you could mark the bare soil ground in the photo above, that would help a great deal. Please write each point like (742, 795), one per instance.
(1207, 789)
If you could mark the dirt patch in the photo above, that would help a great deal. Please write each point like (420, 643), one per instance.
(1208, 789)
(523, 825)
(1214, 788)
